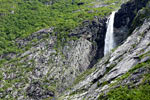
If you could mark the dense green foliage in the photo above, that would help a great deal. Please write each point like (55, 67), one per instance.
(141, 92)
(20, 18)
(124, 93)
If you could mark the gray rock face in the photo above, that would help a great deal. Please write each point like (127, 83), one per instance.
(145, 59)
(136, 78)
(114, 65)
(62, 69)
(46, 71)
(124, 19)
(36, 92)
(94, 31)
(79, 55)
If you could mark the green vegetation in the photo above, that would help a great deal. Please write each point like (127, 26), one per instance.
(144, 55)
(18, 72)
(143, 14)
(141, 92)
(139, 65)
(20, 18)
(83, 75)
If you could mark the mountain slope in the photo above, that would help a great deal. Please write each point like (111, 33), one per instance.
(132, 58)
(126, 68)
(67, 63)
(20, 18)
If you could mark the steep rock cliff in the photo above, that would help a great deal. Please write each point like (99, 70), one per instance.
(46, 71)
(132, 57)
(77, 71)
(124, 19)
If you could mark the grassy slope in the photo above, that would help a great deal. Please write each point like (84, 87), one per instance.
(33, 15)
(126, 92)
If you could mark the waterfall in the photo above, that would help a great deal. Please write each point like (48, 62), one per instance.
(109, 38)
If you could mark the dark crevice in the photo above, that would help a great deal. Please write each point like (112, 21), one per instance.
(96, 79)
(99, 39)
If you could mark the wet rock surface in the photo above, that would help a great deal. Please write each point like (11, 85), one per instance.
(124, 19)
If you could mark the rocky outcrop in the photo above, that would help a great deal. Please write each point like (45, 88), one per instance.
(124, 19)
(113, 66)
(36, 92)
(43, 70)
(94, 31)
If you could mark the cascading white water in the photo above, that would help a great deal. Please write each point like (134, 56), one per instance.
(109, 39)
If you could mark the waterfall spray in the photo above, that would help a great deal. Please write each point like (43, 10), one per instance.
(109, 38)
